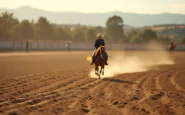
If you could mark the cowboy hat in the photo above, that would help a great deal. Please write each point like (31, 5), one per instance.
(100, 35)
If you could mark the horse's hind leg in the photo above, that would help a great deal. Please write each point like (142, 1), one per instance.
(96, 70)
(102, 70)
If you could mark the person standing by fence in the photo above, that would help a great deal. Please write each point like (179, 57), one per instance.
(27, 46)
(67, 46)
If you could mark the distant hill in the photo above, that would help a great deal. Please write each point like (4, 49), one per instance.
(173, 31)
(164, 27)
(95, 19)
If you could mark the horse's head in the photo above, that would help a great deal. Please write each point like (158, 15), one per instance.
(102, 52)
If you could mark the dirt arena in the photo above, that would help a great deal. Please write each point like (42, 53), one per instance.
(59, 83)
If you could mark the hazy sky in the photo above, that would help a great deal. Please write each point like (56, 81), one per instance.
(136, 6)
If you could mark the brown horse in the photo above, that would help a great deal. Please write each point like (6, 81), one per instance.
(172, 48)
(100, 61)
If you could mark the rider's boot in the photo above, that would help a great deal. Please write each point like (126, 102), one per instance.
(106, 62)
(106, 58)
(92, 60)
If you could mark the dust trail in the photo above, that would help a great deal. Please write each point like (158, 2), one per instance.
(137, 62)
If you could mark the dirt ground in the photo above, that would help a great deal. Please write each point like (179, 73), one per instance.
(59, 83)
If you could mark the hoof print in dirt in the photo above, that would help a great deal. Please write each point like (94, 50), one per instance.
(55, 100)
(125, 103)
(90, 98)
(17, 100)
(157, 96)
(115, 103)
(85, 110)
(135, 98)
(83, 105)
(13, 113)
(144, 110)
(122, 105)
(153, 98)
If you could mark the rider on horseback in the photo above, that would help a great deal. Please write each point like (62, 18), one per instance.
(99, 42)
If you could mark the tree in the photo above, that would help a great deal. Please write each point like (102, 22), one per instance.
(27, 31)
(90, 34)
(44, 30)
(62, 34)
(114, 27)
(16, 31)
(131, 33)
(6, 22)
(163, 39)
(136, 39)
(183, 40)
(99, 29)
(148, 35)
(78, 34)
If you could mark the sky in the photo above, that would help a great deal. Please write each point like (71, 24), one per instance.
(101, 6)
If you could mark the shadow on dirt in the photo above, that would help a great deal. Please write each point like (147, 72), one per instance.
(118, 80)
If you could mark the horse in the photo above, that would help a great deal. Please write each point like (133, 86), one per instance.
(172, 48)
(99, 61)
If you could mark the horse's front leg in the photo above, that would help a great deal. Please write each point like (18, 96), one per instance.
(96, 70)
(100, 70)
(103, 71)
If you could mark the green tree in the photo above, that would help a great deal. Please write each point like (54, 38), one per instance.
(16, 31)
(91, 34)
(183, 40)
(6, 22)
(136, 39)
(131, 33)
(44, 30)
(62, 34)
(126, 39)
(27, 31)
(99, 29)
(164, 39)
(114, 27)
(148, 35)
(78, 34)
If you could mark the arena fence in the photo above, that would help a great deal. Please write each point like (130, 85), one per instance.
(23, 45)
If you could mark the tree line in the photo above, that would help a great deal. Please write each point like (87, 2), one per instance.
(177, 32)
(42, 29)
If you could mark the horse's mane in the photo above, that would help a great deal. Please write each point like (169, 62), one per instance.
(96, 53)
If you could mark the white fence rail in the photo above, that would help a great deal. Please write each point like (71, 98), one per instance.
(21, 45)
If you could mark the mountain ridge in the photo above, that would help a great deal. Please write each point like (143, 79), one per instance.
(96, 19)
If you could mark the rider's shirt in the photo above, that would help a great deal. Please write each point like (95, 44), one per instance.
(98, 43)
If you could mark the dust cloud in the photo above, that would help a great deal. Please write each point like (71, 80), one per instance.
(124, 62)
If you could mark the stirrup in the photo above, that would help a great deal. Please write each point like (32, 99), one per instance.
(92, 63)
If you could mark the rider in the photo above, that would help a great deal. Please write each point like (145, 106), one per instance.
(99, 42)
